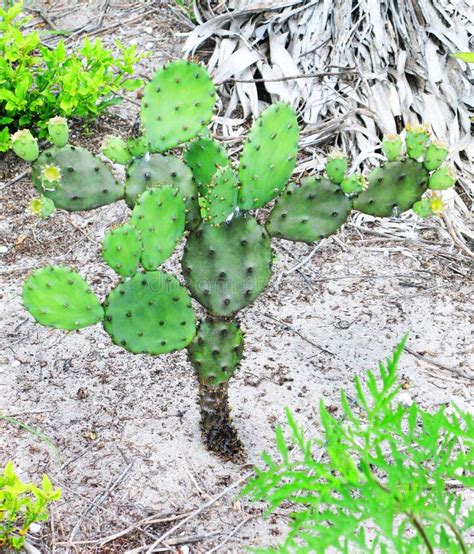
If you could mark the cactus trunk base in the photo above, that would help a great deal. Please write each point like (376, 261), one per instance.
(217, 428)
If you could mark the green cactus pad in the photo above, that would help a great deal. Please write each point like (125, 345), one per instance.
(58, 131)
(42, 207)
(121, 250)
(309, 212)
(177, 104)
(61, 298)
(159, 217)
(150, 313)
(204, 156)
(216, 351)
(228, 266)
(435, 155)
(392, 146)
(269, 156)
(354, 184)
(156, 170)
(221, 197)
(422, 208)
(25, 145)
(393, 188)
(116, 149)
(416, 138)
(85, 181)
(443, 178)
(336, 166)
(137, 146)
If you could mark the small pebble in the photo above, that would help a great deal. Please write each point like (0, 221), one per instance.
(35, 528)
(405, 399)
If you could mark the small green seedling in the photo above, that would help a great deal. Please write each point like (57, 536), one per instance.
(22, 504)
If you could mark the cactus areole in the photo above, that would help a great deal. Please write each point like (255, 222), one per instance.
(207, 201)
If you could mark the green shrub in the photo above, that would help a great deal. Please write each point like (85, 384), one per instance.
(37, 83)
(383, 478)
(22, 504)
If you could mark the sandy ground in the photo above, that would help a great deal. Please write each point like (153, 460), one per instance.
(125, 428)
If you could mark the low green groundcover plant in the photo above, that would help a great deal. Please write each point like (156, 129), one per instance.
(37, 82)
(22, 504)
(383, 478)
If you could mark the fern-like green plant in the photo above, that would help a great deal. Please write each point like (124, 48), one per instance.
(383, 478)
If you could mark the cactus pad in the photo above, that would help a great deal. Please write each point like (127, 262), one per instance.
(137, 146)
(443, 178)
(216, 351)
(156, 170)
(116, 149)
(336, 166)
(203, 157)
(177, 104)
(221, 197)
(159, 217)
(269, 156)
(228, 266)
(416, 138)
(309, 212)
(121, 250)
(150, 313)
(435, 155)
(393, 188)
(85, 181)
(58, 297)
(392, 146)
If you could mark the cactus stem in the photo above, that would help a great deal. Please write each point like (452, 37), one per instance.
(217, 428)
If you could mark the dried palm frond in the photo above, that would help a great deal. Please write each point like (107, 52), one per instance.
(354, 69)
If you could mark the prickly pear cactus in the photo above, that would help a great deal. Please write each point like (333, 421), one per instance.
(227, 254)
(25, 145)
(443, 178)
(122, 249)
(336, 166)
(60, 298)
(393, 188)
(435, 155)
(75, 179)
(309, 211)
(226, 267)
(416, 140)
(216, 350)
(268, 157)
(156, 170)
(221, 196)
(42, 207)
(116, 149)
(392, 147)
(150, 313)
(204, 157)
(58, 131)
(399, 184)
(158, 216)
(177, 104)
